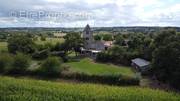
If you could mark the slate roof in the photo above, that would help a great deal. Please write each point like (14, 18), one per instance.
(140, 62)
(87, 28)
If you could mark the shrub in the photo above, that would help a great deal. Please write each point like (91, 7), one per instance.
(43, 38)
(104, 79)
(5, 62)
(103, 57)
(41, 54)
(51, 67)
(21, 63)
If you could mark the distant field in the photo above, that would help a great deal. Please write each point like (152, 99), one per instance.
(3, 46)
(102, 32)
(50, 40)
(87, 66)
(12, 89)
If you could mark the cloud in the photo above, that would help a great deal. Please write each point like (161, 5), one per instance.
(77, 13)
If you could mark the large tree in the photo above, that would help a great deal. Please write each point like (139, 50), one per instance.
(73, 42)
(136, 40)
(97, 37)
(119, 40)
(166, 58)
(21, 43)
(107, 37)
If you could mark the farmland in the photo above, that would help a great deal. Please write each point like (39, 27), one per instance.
(37, 90)
(87, 66)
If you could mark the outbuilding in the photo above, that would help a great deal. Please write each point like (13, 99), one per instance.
(140, 64)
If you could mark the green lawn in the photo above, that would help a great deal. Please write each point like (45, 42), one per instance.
(3, 46)
(87, 66)
(50, 40)
(12, 89)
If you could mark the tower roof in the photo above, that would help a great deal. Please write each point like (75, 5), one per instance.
(87, 28)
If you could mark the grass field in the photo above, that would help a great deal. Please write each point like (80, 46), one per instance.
(50, 40)
(3, 46)
(87, 66)
(12, 89)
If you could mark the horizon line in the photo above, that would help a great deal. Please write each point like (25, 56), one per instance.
(90, 26)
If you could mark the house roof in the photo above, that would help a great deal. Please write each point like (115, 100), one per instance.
(108, 43)
(140, 62)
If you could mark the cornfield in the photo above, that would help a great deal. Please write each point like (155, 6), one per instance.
(13, 89)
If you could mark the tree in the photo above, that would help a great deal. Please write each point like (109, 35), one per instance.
(73, 42)
(163, 37)
(21, 43)
(107, 37)
(142, 44)
(119, 40)
(51, 66)
(166, 61)
(21, 63)
(136, 40)
(43, 38)
(97, 37)
(117, 53)
(147, 48)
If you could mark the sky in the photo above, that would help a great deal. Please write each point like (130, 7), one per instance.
(97, 13)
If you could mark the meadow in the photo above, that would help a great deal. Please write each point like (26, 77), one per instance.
(13, 89)
(3, 46)
(88, 66)
(50, 40)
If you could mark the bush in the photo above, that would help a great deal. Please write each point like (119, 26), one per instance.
(43, 38)
(21, 63)
(39, 55)
(103, 57)
(51, 67)
(5, 62)
(104, 79)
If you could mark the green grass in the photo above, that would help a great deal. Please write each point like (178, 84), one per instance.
(3, 46)
(87, 66)
(50, 40)
(12, 89)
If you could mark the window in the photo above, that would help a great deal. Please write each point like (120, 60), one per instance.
(87, 38)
